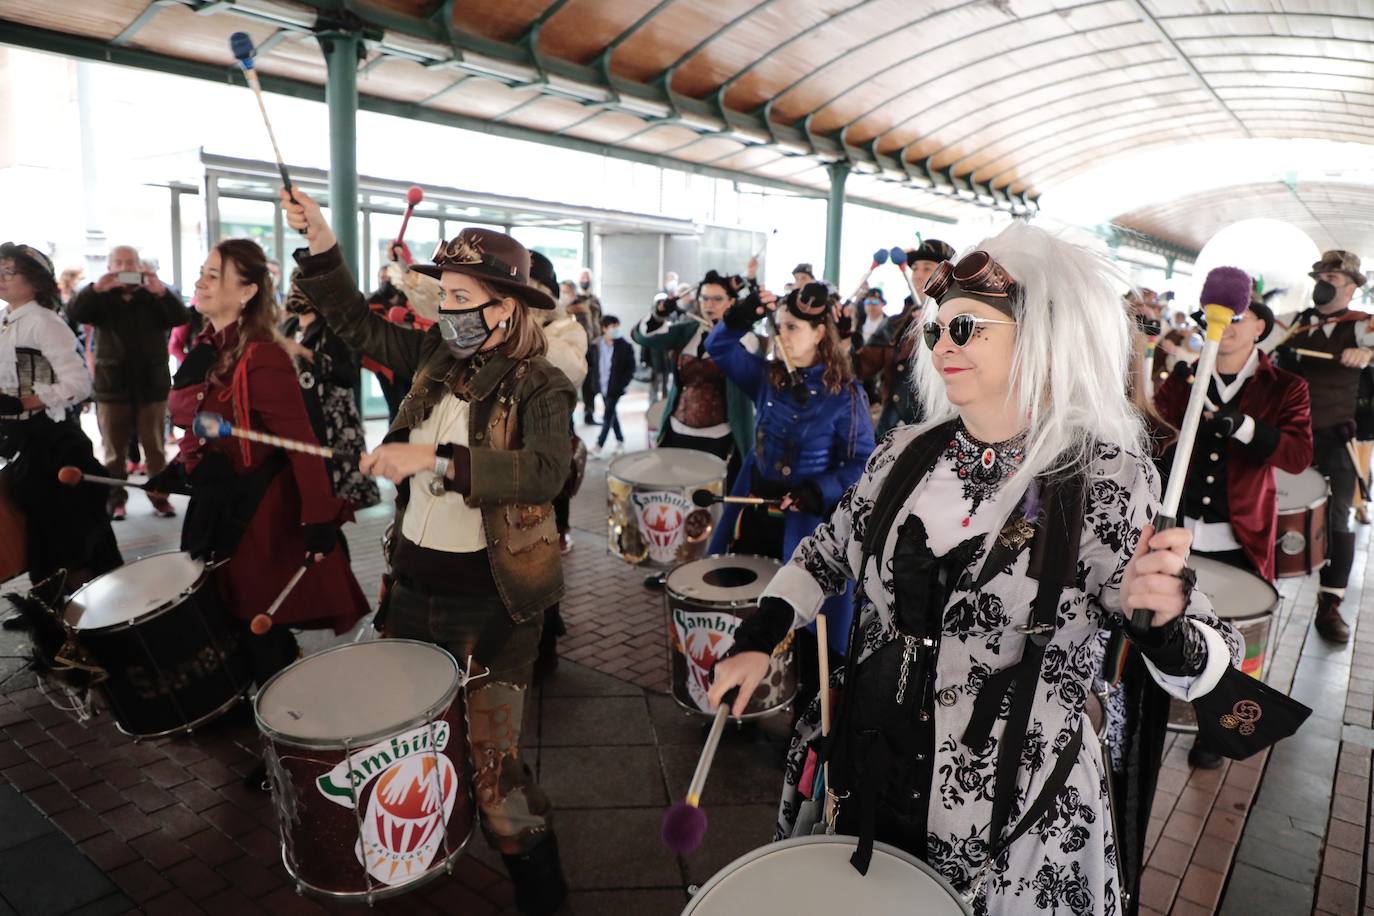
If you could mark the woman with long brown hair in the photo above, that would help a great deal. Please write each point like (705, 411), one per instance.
(812, 437)
(259, 507)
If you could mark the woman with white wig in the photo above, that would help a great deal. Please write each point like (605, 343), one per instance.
(990, 546)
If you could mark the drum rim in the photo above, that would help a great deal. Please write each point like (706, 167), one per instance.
(827, 839)
(1302, 510)
(354, 742)
(667, 580)
(611, 474)
(175, 601)
(1274, 592)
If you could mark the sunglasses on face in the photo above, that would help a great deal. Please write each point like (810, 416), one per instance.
(961, 329)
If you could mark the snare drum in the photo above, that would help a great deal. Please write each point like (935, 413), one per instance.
(812, 874)
(14, 550)
(172, 653)
(1300, 545)
(1245, 601)
(367, 749)
(707, 600)
(653, 419)
(652, 520)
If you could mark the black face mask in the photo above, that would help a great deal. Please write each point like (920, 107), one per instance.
(585, 285)
(1323, 293)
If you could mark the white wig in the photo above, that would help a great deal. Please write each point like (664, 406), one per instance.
(1072, 354)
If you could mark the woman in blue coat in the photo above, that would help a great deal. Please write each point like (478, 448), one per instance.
(812, 438)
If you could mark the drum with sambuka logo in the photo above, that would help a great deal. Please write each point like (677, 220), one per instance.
(367, 750)
(707, 600)
(651, 519)
(1243, 600)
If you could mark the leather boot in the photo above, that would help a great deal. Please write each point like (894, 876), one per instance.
(540, 888)
(1329, 624)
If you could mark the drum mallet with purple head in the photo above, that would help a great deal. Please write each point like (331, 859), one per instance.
(242, 45)
(1225, 294)
(684, 824)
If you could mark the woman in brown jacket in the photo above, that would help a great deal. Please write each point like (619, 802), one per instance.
(478, 450)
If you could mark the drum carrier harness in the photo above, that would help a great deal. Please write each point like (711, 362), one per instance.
(871, 749)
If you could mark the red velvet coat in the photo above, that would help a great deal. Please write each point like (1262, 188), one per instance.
(273, 546)
(1279, 403)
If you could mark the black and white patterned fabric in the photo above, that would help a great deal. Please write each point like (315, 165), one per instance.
(1066, 863)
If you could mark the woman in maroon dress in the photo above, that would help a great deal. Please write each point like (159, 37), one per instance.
(262, 508)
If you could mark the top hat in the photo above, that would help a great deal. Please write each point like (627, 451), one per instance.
(497, 260)
(1341, 262)
(542, 274)
(930, 250)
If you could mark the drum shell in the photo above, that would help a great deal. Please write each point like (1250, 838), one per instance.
(774, 693)
(320, 837)
(174, 669)
(766, 881)
(654, 420)
(629, 501)
(1300, 536)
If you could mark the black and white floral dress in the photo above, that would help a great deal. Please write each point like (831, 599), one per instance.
(1066, 862)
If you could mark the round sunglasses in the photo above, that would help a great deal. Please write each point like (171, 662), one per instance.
(961, 329)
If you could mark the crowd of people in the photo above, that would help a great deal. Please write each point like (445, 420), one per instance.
(966, 488)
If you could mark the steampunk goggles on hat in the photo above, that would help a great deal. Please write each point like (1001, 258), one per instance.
(977, 276)
(462, 251)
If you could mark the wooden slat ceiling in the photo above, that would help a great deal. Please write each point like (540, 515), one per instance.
(976, 100)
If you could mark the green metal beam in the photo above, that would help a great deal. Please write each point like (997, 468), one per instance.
(341, 96)
(834, 220)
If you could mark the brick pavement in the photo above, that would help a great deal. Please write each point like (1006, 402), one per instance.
(165, 826)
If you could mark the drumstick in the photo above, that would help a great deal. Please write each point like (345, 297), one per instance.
(213, 426)
(823, 662)
(1359, 472)
(413, 197)
(684, 824)
(263, 622)
(1313, 354)
(70, 476)
(705, 499)
(1226, 293)
(242, 46)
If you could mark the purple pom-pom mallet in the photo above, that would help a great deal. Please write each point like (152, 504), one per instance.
(684, 824)
(1227, 286)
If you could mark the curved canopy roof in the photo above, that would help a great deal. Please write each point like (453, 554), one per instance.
(945, 104)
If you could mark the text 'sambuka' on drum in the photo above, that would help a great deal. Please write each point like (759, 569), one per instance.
(652, 520)
(173, 656)
(367, 751)
(1245, 601)
(707, 600)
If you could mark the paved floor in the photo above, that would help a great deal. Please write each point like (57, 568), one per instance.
(96, 823)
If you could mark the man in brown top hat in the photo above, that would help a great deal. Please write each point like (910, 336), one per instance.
(1328, 345)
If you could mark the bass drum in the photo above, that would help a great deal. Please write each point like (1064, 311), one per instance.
(651, 519)
(707, 600)
(1301, 543)
(812, 874)
(1245, 601)
(173, 655)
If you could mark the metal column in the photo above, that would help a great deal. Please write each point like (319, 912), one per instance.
(834, 220)
(341, 96)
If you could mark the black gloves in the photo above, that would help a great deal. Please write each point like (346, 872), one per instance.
(321, 537)
(807, 498)
(10, 405)
(743, 314)
(1177, 648)
(171, 479)
(763, 631)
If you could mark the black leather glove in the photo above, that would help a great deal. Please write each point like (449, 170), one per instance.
(321, 537)
(171, 479)
(743, 314)
(806, 496)
(845, 326)
(1226, 421)
(763, 631)
(10, 405)
(1177, 648)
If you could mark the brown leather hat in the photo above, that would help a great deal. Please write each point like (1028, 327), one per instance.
(497, 260)
(1339, 262)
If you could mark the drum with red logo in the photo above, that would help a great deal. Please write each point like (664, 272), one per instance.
(367, 752)
(1300, 545)
(651, 519)
(707, 600)
(1243, 600)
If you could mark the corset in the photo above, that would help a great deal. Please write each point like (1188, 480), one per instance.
(32, 368)
(701, 395)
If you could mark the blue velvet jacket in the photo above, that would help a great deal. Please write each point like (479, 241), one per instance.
(827, 441)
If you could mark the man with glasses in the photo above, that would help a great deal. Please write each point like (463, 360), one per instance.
(1328, 345)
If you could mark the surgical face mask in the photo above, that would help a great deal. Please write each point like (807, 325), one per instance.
(585, 285)
(465, 331)
(614, 332)
(1323, 293)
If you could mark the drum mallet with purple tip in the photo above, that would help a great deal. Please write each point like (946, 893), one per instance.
(1225, 294)
(684, 824)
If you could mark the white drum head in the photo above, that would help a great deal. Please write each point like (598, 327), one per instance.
(813, 875)
(1295, 492)
(125, 594)
(668, 468)
(1235, 593)
(729, 579)
(359, 692)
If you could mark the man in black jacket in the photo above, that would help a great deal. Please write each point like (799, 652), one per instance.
(131, 321)
(610, 366)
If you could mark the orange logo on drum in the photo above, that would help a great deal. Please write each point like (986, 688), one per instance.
(410, 804)
(660, 514)
(704, 638)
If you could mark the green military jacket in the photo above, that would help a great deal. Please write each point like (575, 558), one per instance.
(517, 431)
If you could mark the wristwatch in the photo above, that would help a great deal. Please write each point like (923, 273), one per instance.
(443, 457)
